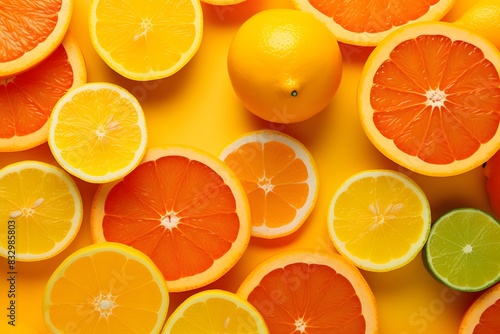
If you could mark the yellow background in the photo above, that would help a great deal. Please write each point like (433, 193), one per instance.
(197, 107)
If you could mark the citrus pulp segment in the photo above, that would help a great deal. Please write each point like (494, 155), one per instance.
(182, 207)
(215, 311)
(302, 291)
(27, 99)
(482, 315)
(284, 65)
(106, 288)
(429, 98)
(463, 249)
(280, 178)
(379, 219)
(146, 40)
(368, 22)
(31, 31)
(223, 2)
(97, 132)
(42, 210)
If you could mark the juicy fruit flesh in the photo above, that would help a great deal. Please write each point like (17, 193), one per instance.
(190, 210)
(34, 99)
(464, 249)
(489, 323)
(323, 301)
(377, 233)
(429, 90)
(273, 177)
(375, 16)
(25, 25)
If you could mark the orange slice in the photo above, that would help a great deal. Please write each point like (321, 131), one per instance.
(429, 98)
(223, 2)
(31, 31)
(182, 207)
(27, 99)
(215, 311)
(280, 178)
(482, 315)
(146, 40)
(311, 292)
(97, 132)
(368, 22)
(106, 288)
(42, 210)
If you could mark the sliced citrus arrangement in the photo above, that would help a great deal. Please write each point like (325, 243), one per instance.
(42, 210)
(463, 250)
(429, 98)
(146, 40)
(31, 31)
(27, 99)
(106, 288)
(280, 178)
(303, 291)
(215, 311)
(367, 22)
(182, 207)
(97, 132)
(379, 219)
(482, 315)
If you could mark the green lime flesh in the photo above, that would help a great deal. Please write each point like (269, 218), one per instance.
(463, 250)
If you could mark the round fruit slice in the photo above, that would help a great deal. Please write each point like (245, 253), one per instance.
(27, 99)
(463, 250)
(429, 98)
(482, 315)
(42, 208)
(311, 292)
(222, 2)
(367, 22)
(379, 219)
(97, 132)
(279, 177)
(31, 31)
(184, 208)
(106, 288)
(146, 40)
(215, 311)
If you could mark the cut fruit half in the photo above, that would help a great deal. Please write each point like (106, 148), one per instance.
(42, 210)
(379, 219)
(311, 292)
(215, 311)
(279, 176)
(482, 315)
(429, 98)
(106, 288)
(182, 207)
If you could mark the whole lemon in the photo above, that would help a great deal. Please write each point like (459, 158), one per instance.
(284, 65)
(484, 18)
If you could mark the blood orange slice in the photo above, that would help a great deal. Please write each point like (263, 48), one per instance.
(311, 292)
(482, 315)
(183, 208)
(429, 98)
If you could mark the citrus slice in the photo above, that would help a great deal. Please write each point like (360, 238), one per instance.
(106, 288)
(280, 178)
(379, 219)
(182, 207)
(146, 40)
(463, 250)
(31, 31)
(223, 2)
(97, 132)
(429, 98)
(27, 99)
(215, 311)
(42, 207)
(302, 291)
(367, 22)
(482, 315)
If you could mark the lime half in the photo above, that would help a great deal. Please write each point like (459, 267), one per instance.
(463, 250)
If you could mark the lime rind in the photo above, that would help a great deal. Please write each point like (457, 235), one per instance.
(463, 250)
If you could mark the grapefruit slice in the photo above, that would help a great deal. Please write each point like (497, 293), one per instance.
(482, 315)
(182, 207)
